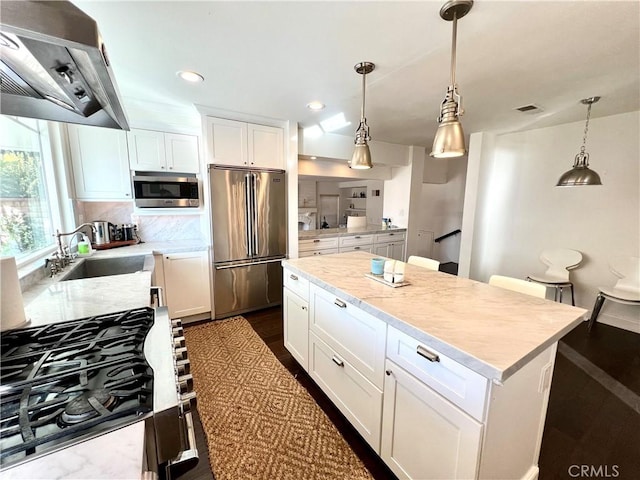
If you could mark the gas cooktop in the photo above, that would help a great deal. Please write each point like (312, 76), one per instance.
(65, 382)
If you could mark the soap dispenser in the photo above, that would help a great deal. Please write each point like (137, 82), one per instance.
(84, 247)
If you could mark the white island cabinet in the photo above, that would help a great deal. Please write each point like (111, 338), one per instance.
(446, 378)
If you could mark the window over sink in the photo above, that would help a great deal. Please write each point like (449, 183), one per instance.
(29, 209)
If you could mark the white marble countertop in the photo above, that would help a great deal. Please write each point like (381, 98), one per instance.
(344, 232)
(52, 300)
(488, 329)
(115, 455)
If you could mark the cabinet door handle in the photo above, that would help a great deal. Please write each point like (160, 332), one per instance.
(340, 303)
(293, 277)
(304, 308)
(388, 372)
(337, 361)
(423, 352)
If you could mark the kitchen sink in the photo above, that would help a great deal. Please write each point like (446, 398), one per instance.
(102, 267)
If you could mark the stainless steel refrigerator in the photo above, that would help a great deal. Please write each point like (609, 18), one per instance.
(249, 238)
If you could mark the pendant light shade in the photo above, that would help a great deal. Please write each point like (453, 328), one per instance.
(361, 159)
(449, 139)
(580, 174)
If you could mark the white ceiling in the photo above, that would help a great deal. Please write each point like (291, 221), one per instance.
(272, 58)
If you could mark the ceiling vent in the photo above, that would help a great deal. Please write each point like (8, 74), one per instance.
(530, 109)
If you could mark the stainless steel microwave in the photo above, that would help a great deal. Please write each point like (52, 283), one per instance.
(154, 191)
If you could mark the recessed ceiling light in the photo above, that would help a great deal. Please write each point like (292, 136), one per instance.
(334, 123)
(315, 105)
(190, 76)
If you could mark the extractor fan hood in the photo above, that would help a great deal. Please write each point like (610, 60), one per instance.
(54, 65)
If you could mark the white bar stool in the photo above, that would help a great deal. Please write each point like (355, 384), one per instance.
(518, 285)
(424, 262)
(625, 291)
(559, 261)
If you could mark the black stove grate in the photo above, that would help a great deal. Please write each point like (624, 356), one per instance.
(64, 382)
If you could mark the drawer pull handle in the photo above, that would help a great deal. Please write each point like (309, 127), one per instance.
(356, 248)
(316, 241)
(293, 277)
(340, 303)
(388, 372)
(357, 236)
(338, 362)
(423, 352)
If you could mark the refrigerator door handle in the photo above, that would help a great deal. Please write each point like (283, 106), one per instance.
(236, 265)
(248, 220)
(254, 209)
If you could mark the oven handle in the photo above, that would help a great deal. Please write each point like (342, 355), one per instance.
(189, 457)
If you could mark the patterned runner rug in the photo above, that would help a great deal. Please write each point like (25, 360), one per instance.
(259, 421)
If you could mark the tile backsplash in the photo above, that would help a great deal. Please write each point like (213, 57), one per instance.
(151, 228)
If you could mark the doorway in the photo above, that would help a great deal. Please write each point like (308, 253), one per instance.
(329, 210)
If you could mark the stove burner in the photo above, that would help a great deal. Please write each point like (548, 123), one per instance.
(88, 405)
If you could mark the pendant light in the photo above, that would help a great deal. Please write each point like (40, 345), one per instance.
(361, 158)
(449, 140)
(581, 174)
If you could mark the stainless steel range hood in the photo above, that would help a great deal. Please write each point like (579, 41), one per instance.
(54, 65)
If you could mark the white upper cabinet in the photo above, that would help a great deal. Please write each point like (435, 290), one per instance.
(265, 146)
(227, 141)
(162, 152)
(244, 144)
(100, 163)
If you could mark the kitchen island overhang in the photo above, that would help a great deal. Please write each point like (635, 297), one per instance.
(490, 330)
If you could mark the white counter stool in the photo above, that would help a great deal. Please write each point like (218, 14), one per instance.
(625, 291)
(518, 285)
(424, 262)
(559, 261)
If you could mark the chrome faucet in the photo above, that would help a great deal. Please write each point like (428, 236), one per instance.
(59, 235)
(63, 257)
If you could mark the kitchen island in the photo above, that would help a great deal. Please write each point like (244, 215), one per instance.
(445, 377)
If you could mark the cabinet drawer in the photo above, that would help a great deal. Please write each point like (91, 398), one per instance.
(296, 284)
(357, 398)
(390, 237)
(318, 243)
(355, 335)
(356, 240)
(455, 382)
(311, 253)
(357, 248)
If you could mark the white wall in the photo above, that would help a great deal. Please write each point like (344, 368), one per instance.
(441, 209)
(516, 210)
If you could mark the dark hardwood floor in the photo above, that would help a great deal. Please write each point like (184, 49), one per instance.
(593, 418)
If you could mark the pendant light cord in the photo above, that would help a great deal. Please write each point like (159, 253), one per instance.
(586, 129)
(453, 48)
(364, 75)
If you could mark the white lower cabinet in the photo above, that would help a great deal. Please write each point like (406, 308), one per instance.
(425, 436)
(355, 396)
(355, 334)
(186, 281)
(296, 327)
